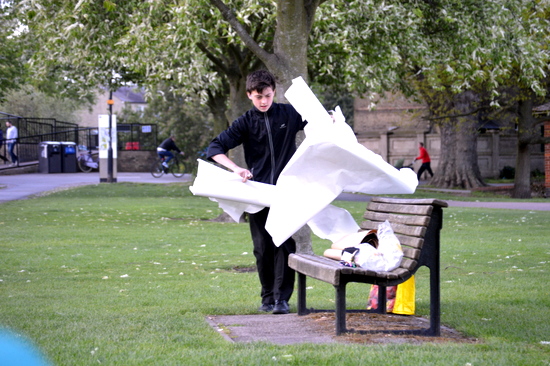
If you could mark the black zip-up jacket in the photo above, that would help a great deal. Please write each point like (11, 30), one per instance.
(268, 139)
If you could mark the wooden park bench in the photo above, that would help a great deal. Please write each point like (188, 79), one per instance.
(416, 223)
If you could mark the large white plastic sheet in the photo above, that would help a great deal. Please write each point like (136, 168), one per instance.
(328, 162)
(228, 189)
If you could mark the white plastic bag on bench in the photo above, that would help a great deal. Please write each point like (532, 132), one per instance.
(388, 255)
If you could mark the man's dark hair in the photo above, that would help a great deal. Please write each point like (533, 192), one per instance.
(421, 144)
(260, 80)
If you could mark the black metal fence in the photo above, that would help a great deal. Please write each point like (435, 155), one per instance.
(33, 131)
(134, 136)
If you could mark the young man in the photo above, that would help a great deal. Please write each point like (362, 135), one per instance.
(268, 135)
(425, 157)
(11, 140)
(165, 150)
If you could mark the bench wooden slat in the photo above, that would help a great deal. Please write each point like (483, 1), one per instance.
(330, 270)
(408, 264)
(317, 267)
(410, 241)
(397, 219)
(406, 201)
(418, 231)
(399, 209)
(410, 252)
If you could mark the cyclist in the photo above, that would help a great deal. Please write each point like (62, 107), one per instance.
(164, 150)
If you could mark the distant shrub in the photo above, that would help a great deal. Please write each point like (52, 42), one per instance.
(508, 172)
(537, 174)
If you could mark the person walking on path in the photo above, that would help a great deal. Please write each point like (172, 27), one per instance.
(11, 139)
(268, 135)
(425, 157)
(2, 144)
(164, 150)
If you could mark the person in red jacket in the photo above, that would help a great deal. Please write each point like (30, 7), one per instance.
(425, 157)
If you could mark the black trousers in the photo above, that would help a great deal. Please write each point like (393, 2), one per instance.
(423, 167)
(276, 277)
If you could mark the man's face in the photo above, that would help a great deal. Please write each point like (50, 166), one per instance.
(262, 100)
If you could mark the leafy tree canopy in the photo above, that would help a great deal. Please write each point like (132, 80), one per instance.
(361, 46)
(383, 45)
(11, 52)
(27, 101)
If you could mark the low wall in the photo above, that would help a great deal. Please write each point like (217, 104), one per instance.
(494, 150)
(135, 161)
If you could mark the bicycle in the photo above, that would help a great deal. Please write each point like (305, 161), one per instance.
(88, 161)
(176, 166)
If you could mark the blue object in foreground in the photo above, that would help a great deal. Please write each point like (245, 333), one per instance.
(17, 351)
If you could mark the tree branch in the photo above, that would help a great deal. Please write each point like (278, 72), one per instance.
(220, 65)
(539, 140)
(541, 119)
(247, 39)
(477, 110)
(311, 7)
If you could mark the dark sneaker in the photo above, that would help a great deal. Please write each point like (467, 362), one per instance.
(281, 307)
(266, 308)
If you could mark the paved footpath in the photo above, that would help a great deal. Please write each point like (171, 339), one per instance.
(530, 206)
(525, 205)
(21, 186)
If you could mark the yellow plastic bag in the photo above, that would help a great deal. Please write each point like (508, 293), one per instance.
(405, 298)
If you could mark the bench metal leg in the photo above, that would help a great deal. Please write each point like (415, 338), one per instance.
(430, 258)
(382, 300)
(340, 309)
(435, 302)
(302, 309)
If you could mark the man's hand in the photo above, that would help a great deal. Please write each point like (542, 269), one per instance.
(222, 159)
(243, 173)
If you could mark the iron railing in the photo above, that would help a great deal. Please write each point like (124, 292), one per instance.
(33, 131)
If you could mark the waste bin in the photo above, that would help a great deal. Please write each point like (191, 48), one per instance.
(49, 160)
(68, 155)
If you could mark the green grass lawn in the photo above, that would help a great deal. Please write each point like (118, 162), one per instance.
(124, 274)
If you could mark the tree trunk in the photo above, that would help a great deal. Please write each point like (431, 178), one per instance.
(444, 176)
(238, 100)
(294, 21)
(217, 106)
(238, 104)
(458, 167)
(289, 61)
(522, 179)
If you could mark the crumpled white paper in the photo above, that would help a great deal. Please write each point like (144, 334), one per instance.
(328, 162)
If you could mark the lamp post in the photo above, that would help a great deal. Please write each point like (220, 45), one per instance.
(110, 102)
